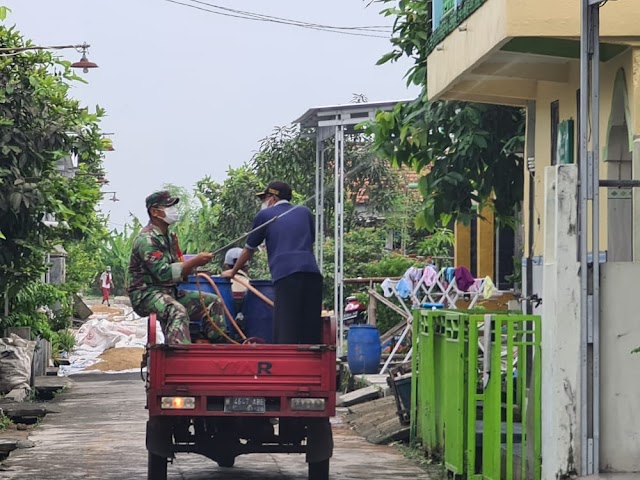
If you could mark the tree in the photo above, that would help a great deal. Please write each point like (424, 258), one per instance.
(289, 156)
(215, 214)
(235, 202)
(41, 128)
(471, 150)
(115, 251)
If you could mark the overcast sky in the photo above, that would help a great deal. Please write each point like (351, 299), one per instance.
(189, 93)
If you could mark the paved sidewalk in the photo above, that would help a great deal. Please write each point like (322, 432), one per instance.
(613, 476)
(100, 434)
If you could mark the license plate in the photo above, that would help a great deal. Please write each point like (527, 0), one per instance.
(244, 404)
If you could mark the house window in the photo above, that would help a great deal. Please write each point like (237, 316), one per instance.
(578, 110)
(555, 120)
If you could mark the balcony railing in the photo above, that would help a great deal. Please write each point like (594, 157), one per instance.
(447, 15)
(442, 8)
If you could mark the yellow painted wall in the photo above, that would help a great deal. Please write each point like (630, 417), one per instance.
(561, 18)
(482, 33)
(566, 93)
(498, 21)
(486, 262)
(462, 247)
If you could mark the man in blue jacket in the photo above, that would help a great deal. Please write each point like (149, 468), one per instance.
(289, 235)
(294, 271)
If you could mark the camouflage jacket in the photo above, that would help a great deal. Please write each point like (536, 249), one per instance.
(156, 260)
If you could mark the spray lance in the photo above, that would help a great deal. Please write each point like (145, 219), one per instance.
(260, 227)
(269, 222)
(206, 277)
(246, 284)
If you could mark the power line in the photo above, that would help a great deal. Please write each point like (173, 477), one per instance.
(258, 18)
(378, 28)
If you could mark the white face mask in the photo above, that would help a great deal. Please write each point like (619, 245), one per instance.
(265, 205)
(171, 215)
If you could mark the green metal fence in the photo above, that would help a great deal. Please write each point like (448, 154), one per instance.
(476, 392)
(441, 396)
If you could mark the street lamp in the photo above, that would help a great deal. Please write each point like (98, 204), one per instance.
(83, 63)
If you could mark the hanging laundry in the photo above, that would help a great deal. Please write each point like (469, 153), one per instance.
(387, 287)
(488, 288)
(464, 279)
(430, 275)
(403, 288)
(449, 274)
(413, 276)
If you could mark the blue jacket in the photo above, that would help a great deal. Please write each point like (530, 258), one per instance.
(289, 239)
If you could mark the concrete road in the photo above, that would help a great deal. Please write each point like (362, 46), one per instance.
(100, 434)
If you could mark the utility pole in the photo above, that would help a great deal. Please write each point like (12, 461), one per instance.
(589, 175)
(590, 260)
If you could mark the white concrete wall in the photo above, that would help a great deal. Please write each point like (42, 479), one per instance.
(620, 388)
(560, 324)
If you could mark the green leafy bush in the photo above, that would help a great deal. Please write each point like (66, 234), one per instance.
(63, 341)
(439, 244)
(5, 422)
(391, 265)
(43, 307)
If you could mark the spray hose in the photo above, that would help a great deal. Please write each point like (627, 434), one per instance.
(224, 306)
(246, 340)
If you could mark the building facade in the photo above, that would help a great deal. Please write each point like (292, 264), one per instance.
(526, 54)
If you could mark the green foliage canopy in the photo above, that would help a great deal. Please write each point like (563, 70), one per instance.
(471, 151)
(41, 128)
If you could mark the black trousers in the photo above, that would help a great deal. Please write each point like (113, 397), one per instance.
(297, 309)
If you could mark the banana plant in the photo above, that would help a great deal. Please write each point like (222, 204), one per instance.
(115, 251)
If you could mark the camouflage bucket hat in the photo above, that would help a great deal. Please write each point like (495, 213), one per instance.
(161, 199)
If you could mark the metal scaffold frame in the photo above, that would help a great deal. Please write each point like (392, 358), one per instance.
(336, 121)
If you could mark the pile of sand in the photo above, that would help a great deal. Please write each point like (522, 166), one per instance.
(118, 359)
(102, 309)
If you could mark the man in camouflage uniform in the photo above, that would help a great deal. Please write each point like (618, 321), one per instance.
(155, 269)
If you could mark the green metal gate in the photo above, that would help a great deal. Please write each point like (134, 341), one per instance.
(476, 392)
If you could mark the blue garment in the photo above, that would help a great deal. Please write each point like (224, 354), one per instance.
(403, 288)
(449, 274)
(289, 239)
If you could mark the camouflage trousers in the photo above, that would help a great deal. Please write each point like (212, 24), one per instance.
(176, 310)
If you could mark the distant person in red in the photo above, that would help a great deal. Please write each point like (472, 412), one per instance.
(106, 282)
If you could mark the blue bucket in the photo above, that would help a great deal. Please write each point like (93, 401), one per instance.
(223, 284)
(433, 306)
(363, 349)
(258, 316)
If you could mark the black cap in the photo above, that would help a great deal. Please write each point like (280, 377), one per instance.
(279, 189)
(161, 199)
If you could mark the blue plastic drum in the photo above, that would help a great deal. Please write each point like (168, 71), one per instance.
(258, 316)
(223, 284)
(363, 349)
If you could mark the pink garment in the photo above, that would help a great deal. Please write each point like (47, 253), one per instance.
(430, 275)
